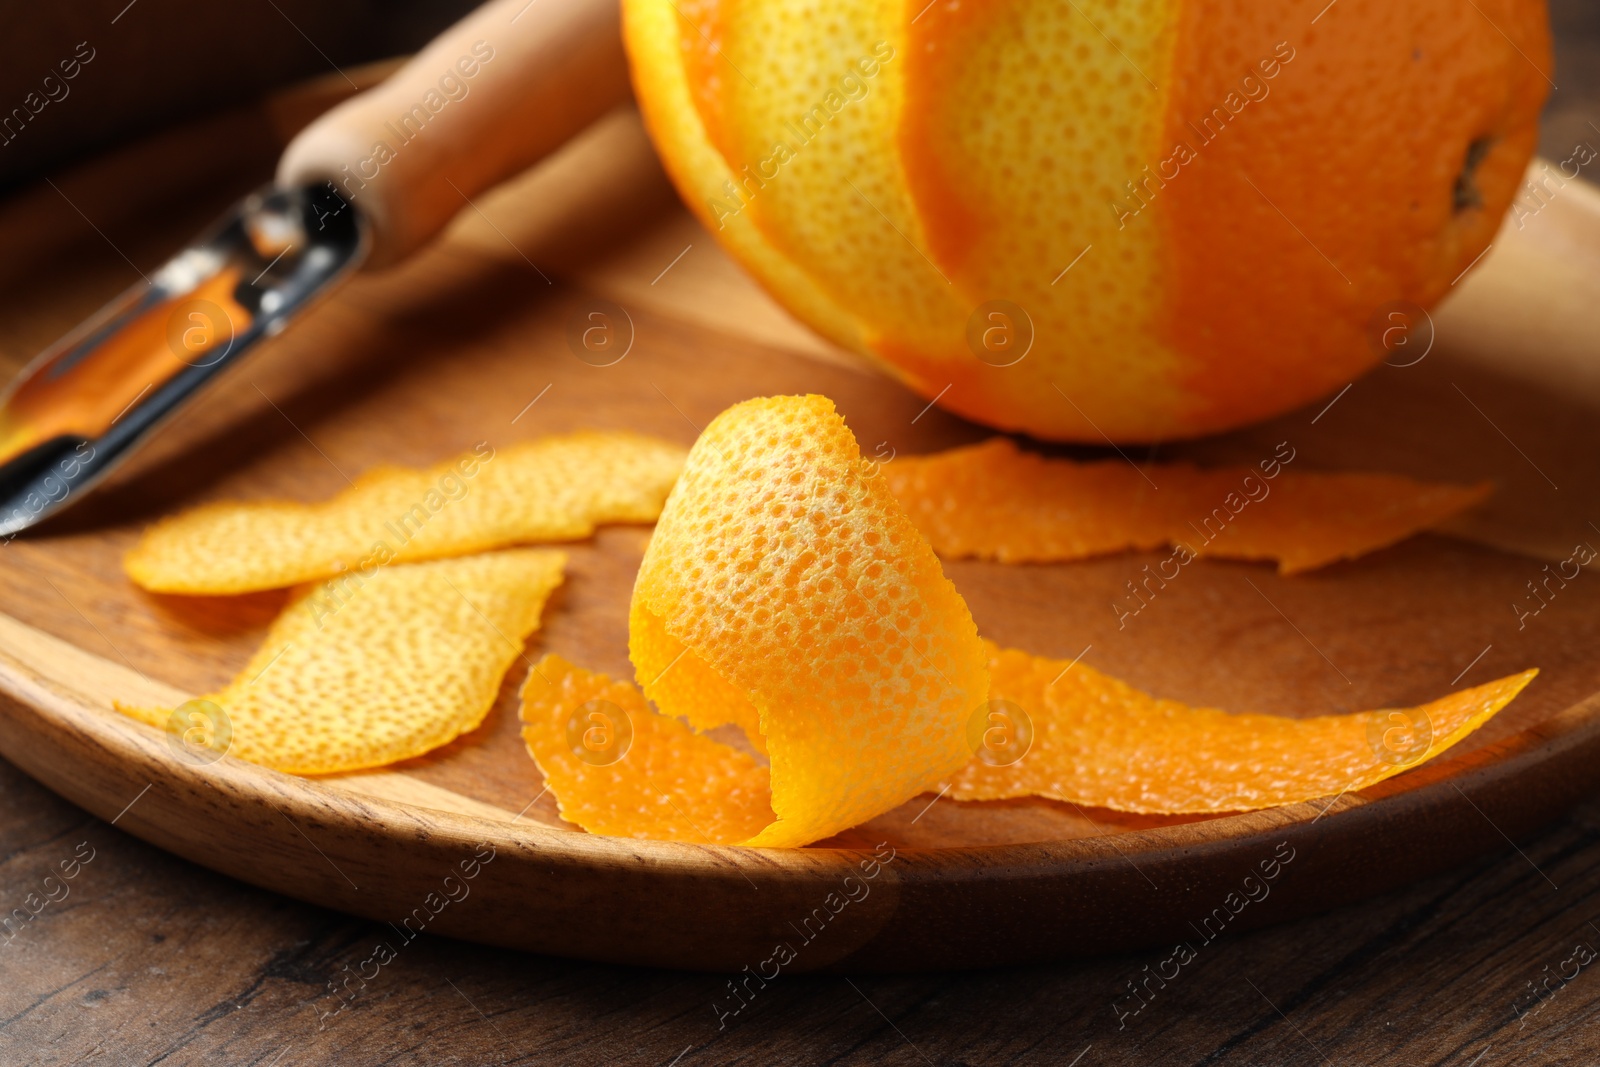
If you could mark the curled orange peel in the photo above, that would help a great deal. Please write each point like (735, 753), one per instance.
(785, 589)
(551, 489)
(365, 674)
(786, 592)
(994, 501)
(1083, 737)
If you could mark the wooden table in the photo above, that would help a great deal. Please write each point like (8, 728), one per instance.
(148, 959)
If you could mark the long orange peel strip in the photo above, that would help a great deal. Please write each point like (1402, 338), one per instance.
(1098, 741)
(366, 674)
(785, 593)
(552, 489)
(994, 501)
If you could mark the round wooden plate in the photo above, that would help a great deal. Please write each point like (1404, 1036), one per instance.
(891, 904)
(467, 343)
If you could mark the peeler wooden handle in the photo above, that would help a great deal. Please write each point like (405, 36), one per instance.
(492, 95)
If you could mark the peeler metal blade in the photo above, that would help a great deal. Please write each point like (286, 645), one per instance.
(85, 403)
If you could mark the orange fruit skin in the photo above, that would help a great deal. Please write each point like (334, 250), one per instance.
(1239, 187)
(994, 501)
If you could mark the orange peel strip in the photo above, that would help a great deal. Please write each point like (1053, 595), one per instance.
(365, 675)
(994, 501)
(1097, 741)
(786, 592)
(552, 489)
(618, 767)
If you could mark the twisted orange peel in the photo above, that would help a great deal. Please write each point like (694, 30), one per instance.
(365, 673)
(551, 489)
(994, 501)
(785, 592)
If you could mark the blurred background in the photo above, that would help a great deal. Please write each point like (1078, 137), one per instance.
(160, 62)
(165, 61)
(1571, 115)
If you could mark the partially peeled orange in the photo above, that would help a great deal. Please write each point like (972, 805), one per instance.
(1091, 219)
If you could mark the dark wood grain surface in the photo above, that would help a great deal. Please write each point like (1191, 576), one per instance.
(152, 960)
(141, 958)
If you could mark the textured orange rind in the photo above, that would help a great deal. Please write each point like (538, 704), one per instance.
(370, 674)
(1087, 739)
(551, 489)
(1098, 741)
(1190, 213)
(786, 592)
(662, 781)
(994, 501)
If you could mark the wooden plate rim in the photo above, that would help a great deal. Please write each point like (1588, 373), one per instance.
(144, 748)
(47, 728)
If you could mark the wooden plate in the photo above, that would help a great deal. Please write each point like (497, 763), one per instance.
(469, 342)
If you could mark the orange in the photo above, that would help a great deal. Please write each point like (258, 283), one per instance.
(1093, 219)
